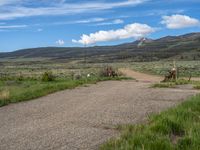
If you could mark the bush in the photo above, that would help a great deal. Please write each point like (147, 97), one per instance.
(20, 78)
(108, 72)
(77, 76)
(48, 76)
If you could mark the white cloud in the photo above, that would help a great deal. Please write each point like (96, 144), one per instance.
(12, 11)
(135, 30)
(6, 2)
(90, 20)
(179, 21)
(116, 21)
(96, 21)
(12, 26)
(83, 21)
(60, 42)
(14, 2)
(39, 30)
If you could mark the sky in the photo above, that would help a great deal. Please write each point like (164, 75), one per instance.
(73, 23)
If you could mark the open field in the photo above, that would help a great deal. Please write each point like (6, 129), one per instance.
(20, 79)
(23, 80)
(186, 68)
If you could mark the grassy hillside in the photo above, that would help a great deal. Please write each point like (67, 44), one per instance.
(184, 47)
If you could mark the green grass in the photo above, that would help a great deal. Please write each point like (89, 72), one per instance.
(20, 80)
(197, 86)
(173, 84)
(175, 129)
(186, 68)
(164, 85)
(13, 91)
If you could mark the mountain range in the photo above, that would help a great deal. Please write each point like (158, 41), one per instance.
(183, 47)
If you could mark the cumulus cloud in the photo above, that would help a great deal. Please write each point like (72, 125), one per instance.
(135, 30)
(60, 42)
(179, 21)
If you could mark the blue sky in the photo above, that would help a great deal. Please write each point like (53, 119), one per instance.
(41, 23)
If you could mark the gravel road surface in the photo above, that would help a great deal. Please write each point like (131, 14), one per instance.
(82, 118)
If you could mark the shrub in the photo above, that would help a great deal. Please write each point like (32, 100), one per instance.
(77, 76)
(108, 72)
(48, 76)
(20, 78)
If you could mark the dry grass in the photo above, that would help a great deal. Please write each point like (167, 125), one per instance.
(5, 94)
(4, 97)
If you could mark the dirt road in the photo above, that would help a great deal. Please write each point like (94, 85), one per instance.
(82, 118)
(141, 76)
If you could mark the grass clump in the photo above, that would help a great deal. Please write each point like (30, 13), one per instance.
(174, 83)
(4, 97)
(48, 76)
(175, 129)
(197, 86)
(164, 85)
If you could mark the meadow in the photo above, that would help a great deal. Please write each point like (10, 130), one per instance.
(25, 80)
(186, 68)
(21, 79)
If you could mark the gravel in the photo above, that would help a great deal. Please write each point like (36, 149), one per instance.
(82, 118)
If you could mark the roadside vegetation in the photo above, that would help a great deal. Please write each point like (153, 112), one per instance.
(22, 88)
(175, 129)
(174, 84)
